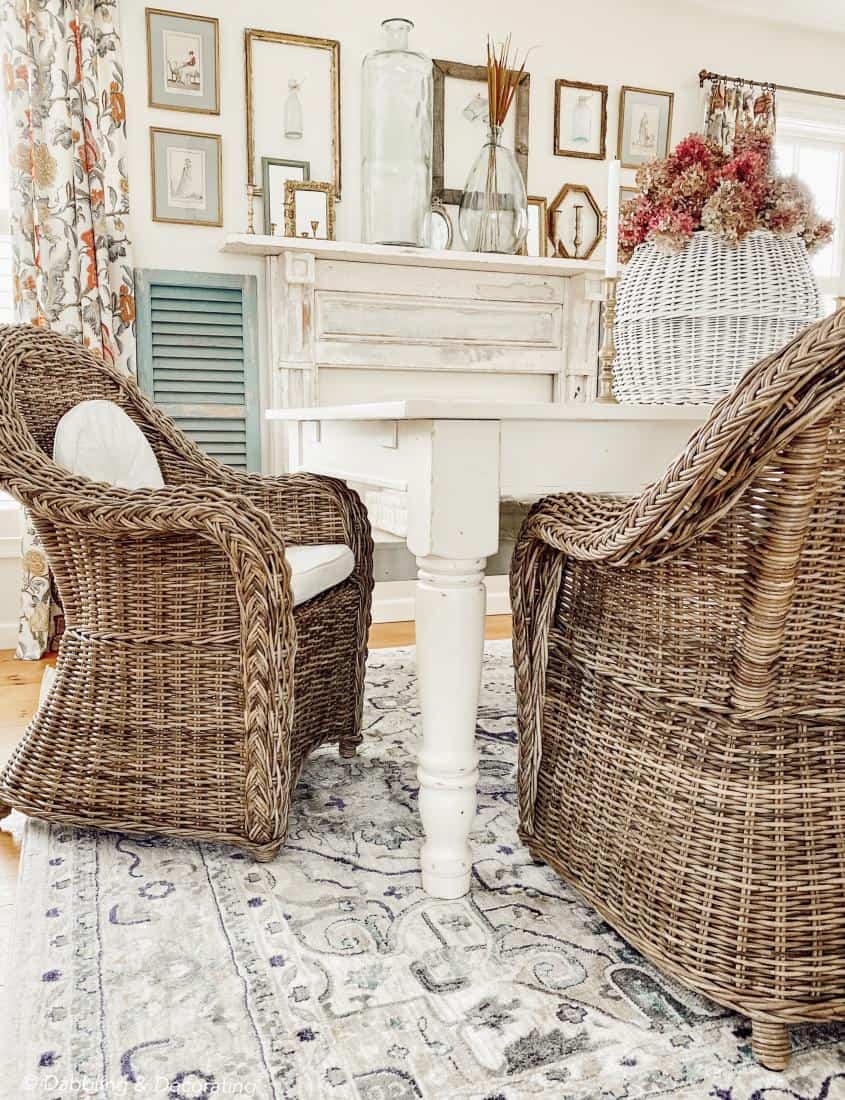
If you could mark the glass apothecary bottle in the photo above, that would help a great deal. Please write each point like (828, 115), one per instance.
(396, 140)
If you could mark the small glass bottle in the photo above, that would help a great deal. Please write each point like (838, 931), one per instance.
(396, 140)
(293, 111)
(581, 121)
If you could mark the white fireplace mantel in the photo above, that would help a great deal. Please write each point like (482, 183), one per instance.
(355, 323)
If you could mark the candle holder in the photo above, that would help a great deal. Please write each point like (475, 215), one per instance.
(250, 207)
(607, 354)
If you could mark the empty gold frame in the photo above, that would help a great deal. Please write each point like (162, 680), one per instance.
(252, 36)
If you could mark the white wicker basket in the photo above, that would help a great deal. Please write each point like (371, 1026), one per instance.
(689, 325)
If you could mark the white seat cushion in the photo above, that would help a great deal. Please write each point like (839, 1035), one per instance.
(313, 569)
(98, 440)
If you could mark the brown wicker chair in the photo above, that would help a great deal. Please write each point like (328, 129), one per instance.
(188, 689)
(680, 675)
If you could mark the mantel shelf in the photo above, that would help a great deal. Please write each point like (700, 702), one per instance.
(256, 244)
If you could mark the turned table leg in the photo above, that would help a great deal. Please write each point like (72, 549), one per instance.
(451, 601)
(770, 1043)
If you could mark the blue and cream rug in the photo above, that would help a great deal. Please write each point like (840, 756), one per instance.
(157, 970)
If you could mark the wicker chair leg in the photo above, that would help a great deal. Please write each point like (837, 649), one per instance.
(267, 852)
(5, 810)
(348, 746)
(770, 1044)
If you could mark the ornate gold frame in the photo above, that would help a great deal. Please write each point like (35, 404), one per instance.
(291, 188)
(558, 247)
(217, 138)
(643, 91)
(183, 15)
(457, 70)
(602, 88)
(333, 46)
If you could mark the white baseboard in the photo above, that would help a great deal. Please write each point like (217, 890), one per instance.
(393, 601)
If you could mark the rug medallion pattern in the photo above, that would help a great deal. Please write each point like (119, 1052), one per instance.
(161, 970)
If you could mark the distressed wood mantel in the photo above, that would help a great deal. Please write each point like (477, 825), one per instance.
(356, 323)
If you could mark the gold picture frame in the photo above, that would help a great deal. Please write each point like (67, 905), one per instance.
(292, 214)
(662, 143)
(253, 35)
(599, 90)
(542, 204)
(153, 99)
(558, 206)
(195, 138)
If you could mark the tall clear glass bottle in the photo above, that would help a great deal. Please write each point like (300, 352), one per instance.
(396, 140)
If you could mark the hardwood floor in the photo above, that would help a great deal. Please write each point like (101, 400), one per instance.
(19, 683)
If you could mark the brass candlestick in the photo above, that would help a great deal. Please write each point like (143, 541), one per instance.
(577, 238)
(250, 207)
(607, 355)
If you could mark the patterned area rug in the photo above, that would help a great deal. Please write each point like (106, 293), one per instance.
(158, 970)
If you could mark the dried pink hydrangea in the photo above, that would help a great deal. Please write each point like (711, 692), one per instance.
(730, 212)
(671, 230)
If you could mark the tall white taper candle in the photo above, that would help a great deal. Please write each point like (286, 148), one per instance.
(611, 256)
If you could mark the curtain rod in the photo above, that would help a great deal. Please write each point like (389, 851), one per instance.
(705, 75)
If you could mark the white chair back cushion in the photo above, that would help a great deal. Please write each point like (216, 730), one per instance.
(98, 440)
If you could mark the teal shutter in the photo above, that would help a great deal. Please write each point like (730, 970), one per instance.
(198, 358)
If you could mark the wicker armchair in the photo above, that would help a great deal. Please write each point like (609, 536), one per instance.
(680, 675)
(188, 689)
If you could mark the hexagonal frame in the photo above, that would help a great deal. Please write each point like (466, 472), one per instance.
(558, 248)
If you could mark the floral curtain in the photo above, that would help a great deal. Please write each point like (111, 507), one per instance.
(69, 198)
(731, 106)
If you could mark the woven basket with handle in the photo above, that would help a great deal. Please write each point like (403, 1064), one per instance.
(688, 326)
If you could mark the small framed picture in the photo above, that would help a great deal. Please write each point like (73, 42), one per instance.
(645, 125)
(575, 223)
(580, 119)
(274, 175)
(183, 62)
(309, 210)
(537, 241)
(460, 125)
(186, 170)
(626, 194)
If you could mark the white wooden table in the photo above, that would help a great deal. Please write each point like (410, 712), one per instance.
(444, 466)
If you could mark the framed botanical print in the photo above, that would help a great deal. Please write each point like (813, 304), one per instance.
(186, 171)
(537, 240)
(274, 175)
(461, 119)
(645, 125)
(292, 103)
(580, 120)
(309, 210)
(183, 62)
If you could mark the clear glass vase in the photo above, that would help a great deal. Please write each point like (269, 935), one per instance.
(494, 209)
(396, 140)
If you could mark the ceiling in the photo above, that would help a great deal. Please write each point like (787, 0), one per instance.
(819, 14)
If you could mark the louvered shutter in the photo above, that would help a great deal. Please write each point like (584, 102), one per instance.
(198, 360)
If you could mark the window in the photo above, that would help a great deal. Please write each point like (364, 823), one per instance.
(810, 144)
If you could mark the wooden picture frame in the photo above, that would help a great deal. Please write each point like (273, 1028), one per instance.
(595, 90)
(627, 193)
(157, 73)
(332, 46)
(192, 144)
(293, 211)
(559, 204)
(647, 100)
(542, 216)
(457, 70)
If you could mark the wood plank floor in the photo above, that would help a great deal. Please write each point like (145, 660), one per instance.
(19, 683)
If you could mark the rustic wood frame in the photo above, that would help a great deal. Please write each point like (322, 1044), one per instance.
(602, 88)
(457, 70)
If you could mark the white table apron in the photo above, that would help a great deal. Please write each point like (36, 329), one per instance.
(449, 464)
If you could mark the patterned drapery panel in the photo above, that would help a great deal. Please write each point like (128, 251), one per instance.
(69, 199)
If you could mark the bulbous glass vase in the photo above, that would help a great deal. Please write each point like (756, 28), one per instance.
(396, 140)
(493, 216)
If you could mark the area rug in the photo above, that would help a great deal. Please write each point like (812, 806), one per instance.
(158, 970)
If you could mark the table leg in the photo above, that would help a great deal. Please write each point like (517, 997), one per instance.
(451, 600)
